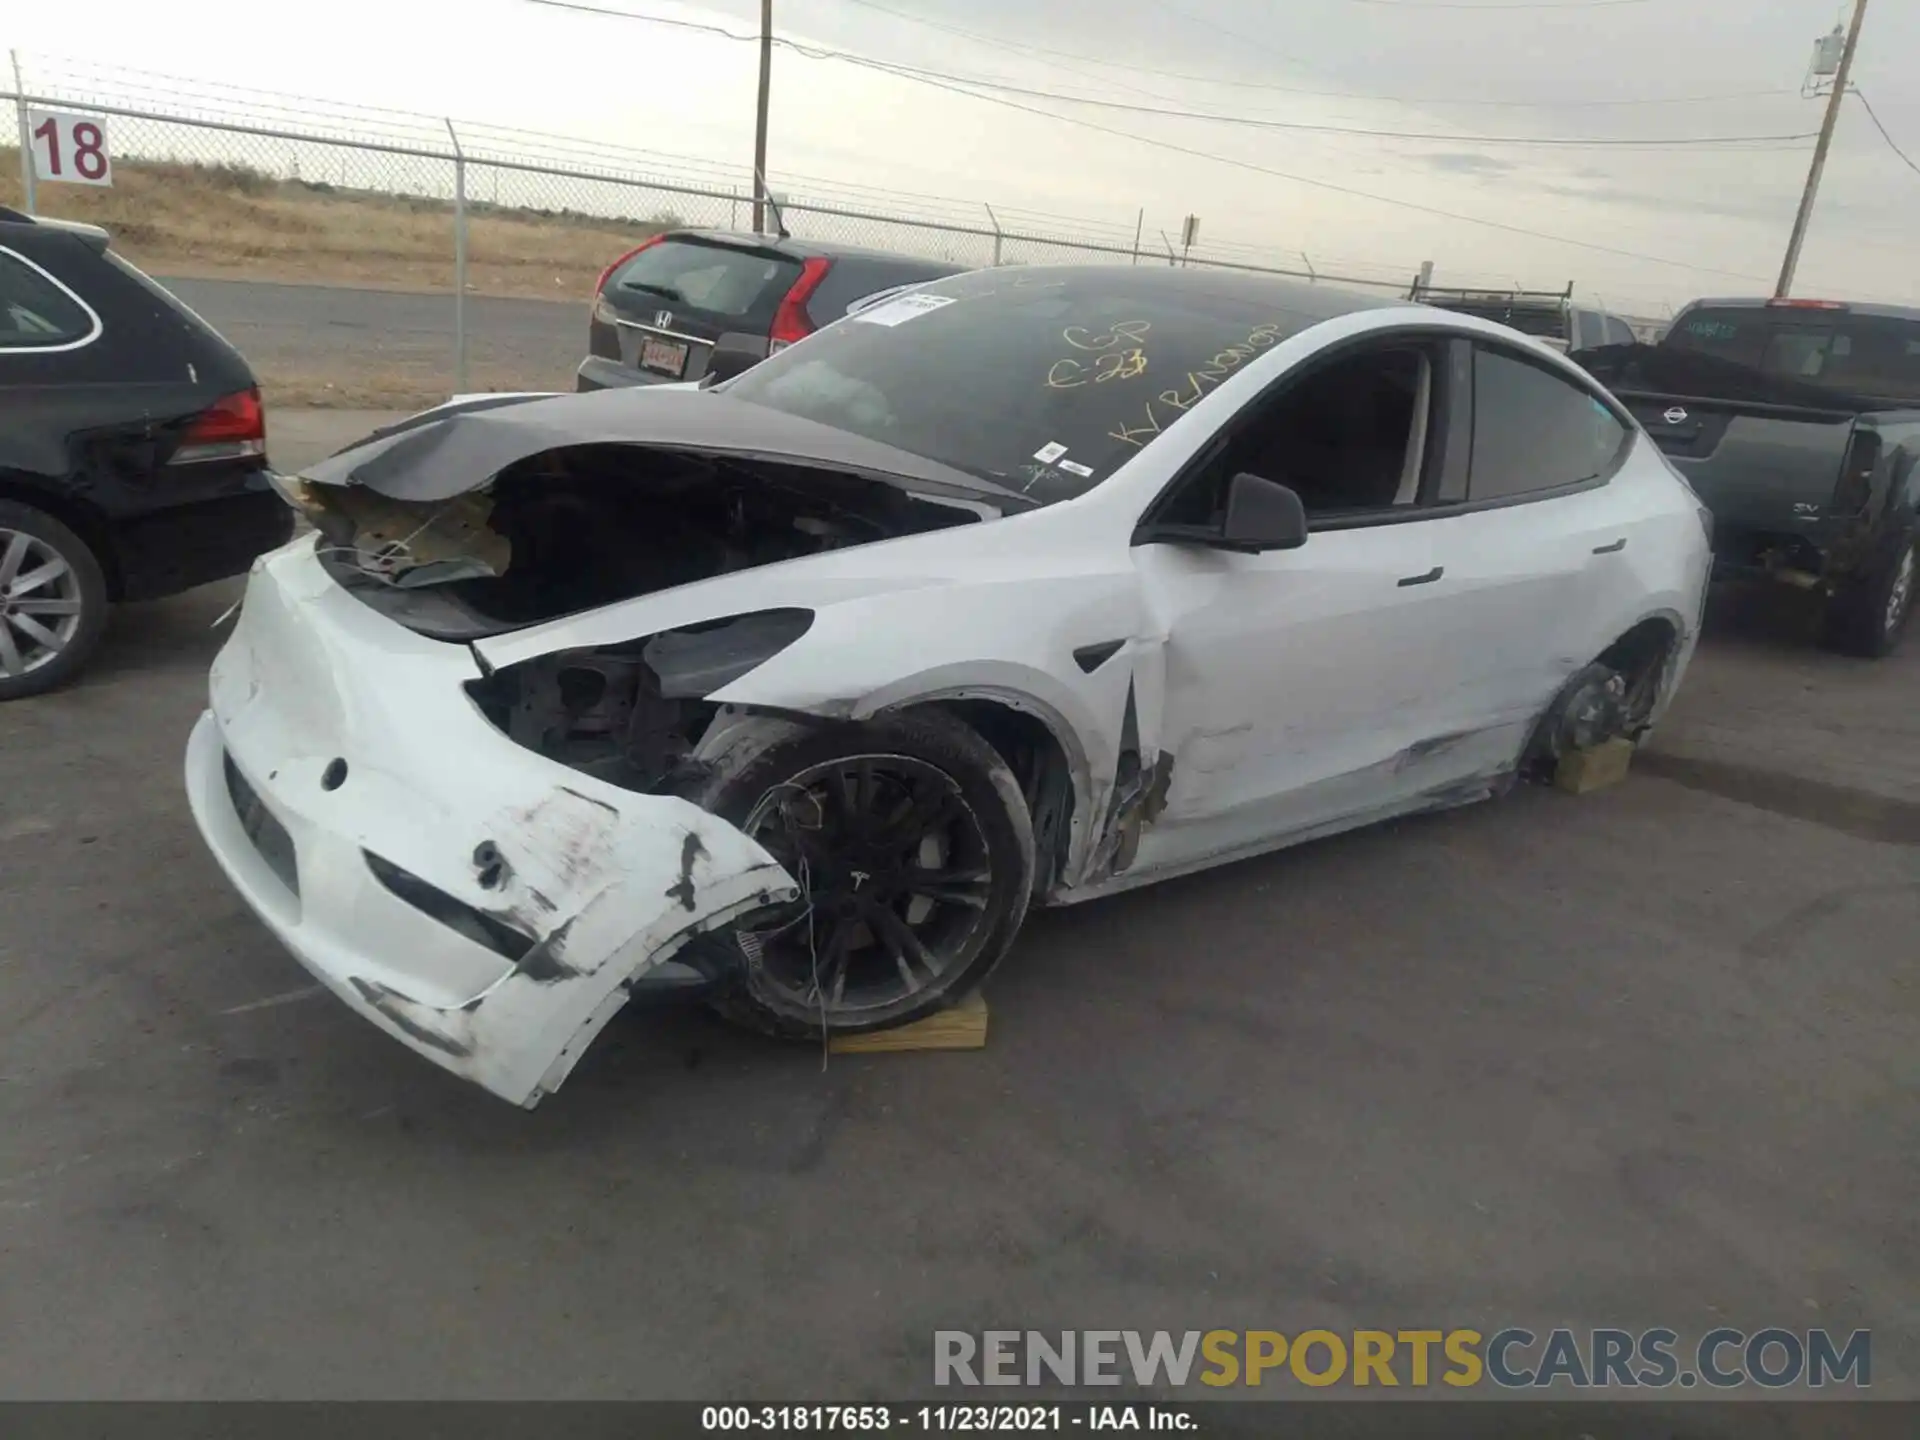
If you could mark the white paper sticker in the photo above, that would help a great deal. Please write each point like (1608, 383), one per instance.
(1074, 467)
(902, 308)
(1050, 452)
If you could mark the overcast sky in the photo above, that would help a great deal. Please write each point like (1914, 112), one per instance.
(1464, 70)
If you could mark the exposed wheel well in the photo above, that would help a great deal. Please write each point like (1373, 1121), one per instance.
(1035, 756)
(1641, 655)
(78, 516)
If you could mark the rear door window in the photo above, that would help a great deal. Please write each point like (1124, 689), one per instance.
(1534, 430)
(716, 282)
(37, 312)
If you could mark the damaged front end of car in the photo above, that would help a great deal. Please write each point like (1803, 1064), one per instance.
(487, 861)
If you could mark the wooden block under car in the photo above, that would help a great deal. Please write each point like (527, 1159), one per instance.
(1581, 771)
(962, 1026)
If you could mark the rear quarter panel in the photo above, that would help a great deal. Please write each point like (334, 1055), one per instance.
(97, 420)
(1769, 473)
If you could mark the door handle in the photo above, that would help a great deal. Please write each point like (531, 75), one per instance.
(1614, 549)
(1427, 579)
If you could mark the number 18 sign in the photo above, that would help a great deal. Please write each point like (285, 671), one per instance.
(69, 148)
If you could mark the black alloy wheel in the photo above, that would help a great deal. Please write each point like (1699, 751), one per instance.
(911, 845)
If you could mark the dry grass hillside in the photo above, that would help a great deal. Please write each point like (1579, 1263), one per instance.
(231, 222)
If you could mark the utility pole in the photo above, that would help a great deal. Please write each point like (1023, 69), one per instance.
(1820, 148)
(760, 119)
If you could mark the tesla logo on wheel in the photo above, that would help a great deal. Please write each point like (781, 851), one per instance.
(663, 318)
(1675, 416)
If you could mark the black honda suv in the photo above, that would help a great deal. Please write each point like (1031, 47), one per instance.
(132, 449)
(663, 310)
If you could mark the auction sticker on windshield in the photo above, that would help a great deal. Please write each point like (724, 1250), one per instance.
(902, 309)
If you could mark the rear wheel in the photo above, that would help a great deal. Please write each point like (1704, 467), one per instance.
(913, 850)
(53, 602)
(1868, 615)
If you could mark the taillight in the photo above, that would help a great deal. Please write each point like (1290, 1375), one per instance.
(234, 427)
(1805, 305)
(647, 244)
(790, 322)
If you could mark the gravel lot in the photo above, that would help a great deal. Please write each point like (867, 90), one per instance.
(1645, 1057)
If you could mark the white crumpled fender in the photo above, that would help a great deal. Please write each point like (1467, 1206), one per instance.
(610, 883)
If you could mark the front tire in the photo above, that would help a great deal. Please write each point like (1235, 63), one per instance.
(53, 602)
(1868, 616)
(913, 849)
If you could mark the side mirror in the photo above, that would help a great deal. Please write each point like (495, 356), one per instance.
(734, 352)
(1263, 515)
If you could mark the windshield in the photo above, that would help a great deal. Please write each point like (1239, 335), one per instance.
(1830, 351)
(1046, 381)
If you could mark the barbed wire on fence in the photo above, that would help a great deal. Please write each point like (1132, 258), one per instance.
(272, 129)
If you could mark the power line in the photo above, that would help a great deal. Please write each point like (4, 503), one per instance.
(1000, 43)
(1187, 150)
(1892, 145)
(1056, 56)
(1668, 142)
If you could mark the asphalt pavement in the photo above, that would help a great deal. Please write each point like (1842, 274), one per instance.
(330, 344)
(1646, 1057)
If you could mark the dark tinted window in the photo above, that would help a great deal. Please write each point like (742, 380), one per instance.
(1046, 381)
(1831, 351)
(1348, 437)
(1533, 430)
(716, 280)
(1738, 335)
(35, 312)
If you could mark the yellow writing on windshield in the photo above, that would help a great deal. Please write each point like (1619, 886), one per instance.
(1196, 382)
(1071, 374)
(1081, 338)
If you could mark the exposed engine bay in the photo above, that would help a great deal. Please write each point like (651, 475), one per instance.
(631, 715)
(574, 529)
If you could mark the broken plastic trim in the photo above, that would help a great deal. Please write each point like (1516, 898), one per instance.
(463, 919)
(695, 660)
(262, 827)
(632, 713)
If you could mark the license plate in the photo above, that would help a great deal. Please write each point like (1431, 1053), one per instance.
(669, 357)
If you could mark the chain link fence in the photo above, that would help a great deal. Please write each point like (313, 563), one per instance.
(218, 183)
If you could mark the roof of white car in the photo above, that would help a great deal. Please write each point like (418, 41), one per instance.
(1308, 300)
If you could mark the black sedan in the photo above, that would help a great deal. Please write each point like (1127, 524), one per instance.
(132, 449)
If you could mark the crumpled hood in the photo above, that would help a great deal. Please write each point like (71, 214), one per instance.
(434, 459)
